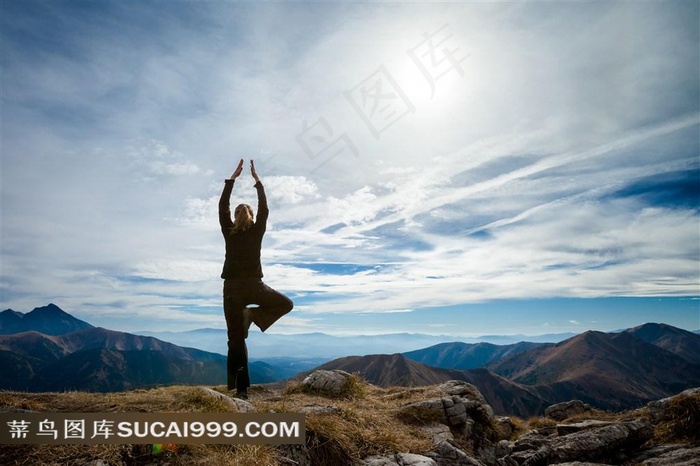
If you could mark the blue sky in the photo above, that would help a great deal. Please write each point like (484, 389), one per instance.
(449, 168)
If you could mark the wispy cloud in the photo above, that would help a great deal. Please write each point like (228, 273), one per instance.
(559, 162)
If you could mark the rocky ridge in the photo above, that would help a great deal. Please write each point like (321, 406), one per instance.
(352, 423)
(464, 432)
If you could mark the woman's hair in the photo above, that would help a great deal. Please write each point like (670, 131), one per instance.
(243, 218)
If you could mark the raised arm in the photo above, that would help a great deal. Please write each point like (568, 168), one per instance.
(263, 211)
(225, 200)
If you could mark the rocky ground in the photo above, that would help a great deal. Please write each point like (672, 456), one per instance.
(464, 431)
(349, 422)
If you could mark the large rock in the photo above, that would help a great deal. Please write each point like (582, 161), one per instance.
(331, 383)
(399, 459)
(663, 455)
(604, 444)
(446, 452)
(561, 411)
(465, 414)
(659, 408)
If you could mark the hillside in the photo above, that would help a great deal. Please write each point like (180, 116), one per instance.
(49, 320)
(458, 355)
(503, 395)
(609, 371)
(97, 359)
(675, 340)
(366, 425)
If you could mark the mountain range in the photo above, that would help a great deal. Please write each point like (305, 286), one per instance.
(321, 345)
(49, 320)
(609, 371)
(47, 349)
(50, 350)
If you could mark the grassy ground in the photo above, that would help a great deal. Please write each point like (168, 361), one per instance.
(363, 424)
(365, 421)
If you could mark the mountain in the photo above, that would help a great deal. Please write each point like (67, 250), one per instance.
(321, 345)
(678, 341)
(42, 346)
(504, 396)
(458, 355)
(49, 320)
(608, 371)
(110, 370)
(306, 345)
(285, 368)
(97, 359)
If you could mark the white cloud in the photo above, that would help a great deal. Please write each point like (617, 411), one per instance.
(503, 183)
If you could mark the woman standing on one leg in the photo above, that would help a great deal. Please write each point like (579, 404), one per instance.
(242, 276)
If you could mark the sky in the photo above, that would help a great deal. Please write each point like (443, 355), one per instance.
(446, 168)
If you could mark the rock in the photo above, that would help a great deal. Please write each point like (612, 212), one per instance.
(454, 411)
(505, 427)
(411, 459)
(579, 463)
(597, 444)
(332, 383)
(504, 448)
(240, 405)
(462, 389)
(566, 429)
(244, 406)
(561, 411)
(448, 454)
(663, 455)
(658, 408)
(319, 410)
(379, 461)
(399, 459)
(438, 433)
(506, 461)
(296, 455)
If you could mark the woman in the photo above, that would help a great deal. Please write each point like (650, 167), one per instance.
(243, 283)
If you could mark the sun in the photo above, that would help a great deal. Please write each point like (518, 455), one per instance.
(430, 88)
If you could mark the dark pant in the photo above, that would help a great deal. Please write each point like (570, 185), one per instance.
(271, 306)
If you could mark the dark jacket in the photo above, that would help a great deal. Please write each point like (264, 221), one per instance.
(243, 247)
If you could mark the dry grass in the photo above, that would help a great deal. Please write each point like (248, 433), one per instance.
(682, 421)
(539, 423)
(174, 399)
(354, 389)
(362, 423)
(520, 427)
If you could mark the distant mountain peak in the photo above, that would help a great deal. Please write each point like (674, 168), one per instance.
(49, 320)
(49, 309)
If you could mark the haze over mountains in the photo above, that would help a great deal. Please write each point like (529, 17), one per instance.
(321, 345)
(48, 349)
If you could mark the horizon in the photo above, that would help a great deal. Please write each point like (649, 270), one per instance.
(464, 336)
(474, 168)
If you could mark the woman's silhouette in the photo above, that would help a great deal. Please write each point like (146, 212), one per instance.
(243, 283)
